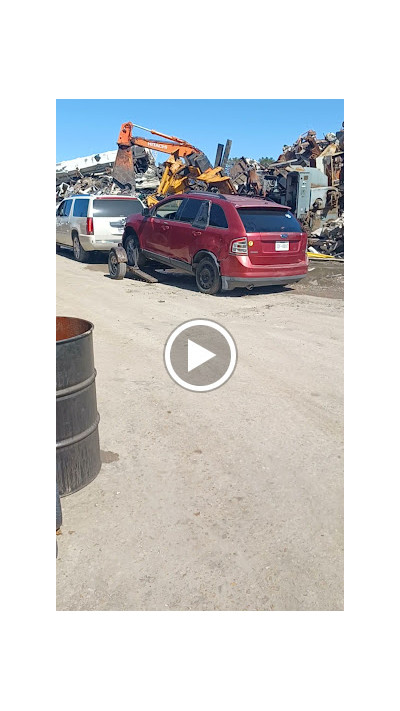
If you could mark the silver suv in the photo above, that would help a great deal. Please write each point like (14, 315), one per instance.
(91, 223)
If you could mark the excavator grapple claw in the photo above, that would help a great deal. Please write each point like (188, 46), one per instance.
(124, 172)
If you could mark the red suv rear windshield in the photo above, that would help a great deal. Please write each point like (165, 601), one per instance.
(116, 208)
(268, 220)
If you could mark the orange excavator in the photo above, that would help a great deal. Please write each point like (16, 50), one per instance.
(186, 167)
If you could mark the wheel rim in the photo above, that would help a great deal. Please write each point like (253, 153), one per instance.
(132, 252)
(113, 264)
(206, 277)
(76, 248)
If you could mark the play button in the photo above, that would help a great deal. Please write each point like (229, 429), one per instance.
(197, 355)
(200, 355)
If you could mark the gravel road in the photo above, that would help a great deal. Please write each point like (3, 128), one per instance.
(228, 500)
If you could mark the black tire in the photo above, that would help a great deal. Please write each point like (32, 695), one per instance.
(79, 253)
(58, 248)
(58, 509)
(132, 249)
(208, 279)
(116, 269)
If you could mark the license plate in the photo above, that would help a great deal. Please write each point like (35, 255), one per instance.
(281, 246)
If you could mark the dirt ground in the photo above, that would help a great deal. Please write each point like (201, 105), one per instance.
(227, 500)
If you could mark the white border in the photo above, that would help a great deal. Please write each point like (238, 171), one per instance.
(217, 327)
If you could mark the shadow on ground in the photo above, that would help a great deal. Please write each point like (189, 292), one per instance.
(324, 279)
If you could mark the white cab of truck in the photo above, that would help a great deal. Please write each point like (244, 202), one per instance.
(93, 223)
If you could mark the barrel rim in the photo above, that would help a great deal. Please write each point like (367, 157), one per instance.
(80, 335)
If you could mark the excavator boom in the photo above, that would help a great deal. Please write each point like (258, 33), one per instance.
(164, 135)
(178, 149)
(178, 175)
(125, 139)
(124, 172)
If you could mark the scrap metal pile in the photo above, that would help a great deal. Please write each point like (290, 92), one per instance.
(328, 239)
(132, 170)
(308, 177)
(94, 174)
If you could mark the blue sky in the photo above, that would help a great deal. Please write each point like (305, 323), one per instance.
(257, 127)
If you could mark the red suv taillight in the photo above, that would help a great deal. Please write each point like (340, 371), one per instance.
(89, 225)
(239, 246)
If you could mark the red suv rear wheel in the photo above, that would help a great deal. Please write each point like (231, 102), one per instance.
(208, 279)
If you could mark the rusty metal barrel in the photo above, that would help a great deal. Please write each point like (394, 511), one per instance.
(77, 419)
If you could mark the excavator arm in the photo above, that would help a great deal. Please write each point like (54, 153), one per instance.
(178, 174)
(124, 172)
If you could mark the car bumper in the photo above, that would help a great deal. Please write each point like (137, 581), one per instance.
(93, 245)
(229, 283)
(240, 272)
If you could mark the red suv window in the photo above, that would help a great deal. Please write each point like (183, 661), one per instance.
(189, 210)
(268, 220)
(217, 216)
(167, 210)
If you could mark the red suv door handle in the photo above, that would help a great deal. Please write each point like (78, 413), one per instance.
(196, 234)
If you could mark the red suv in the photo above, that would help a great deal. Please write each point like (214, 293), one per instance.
(226, 241)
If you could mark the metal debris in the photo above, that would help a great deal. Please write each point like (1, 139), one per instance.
(94, 174)
(308, 177)
(329, 239)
